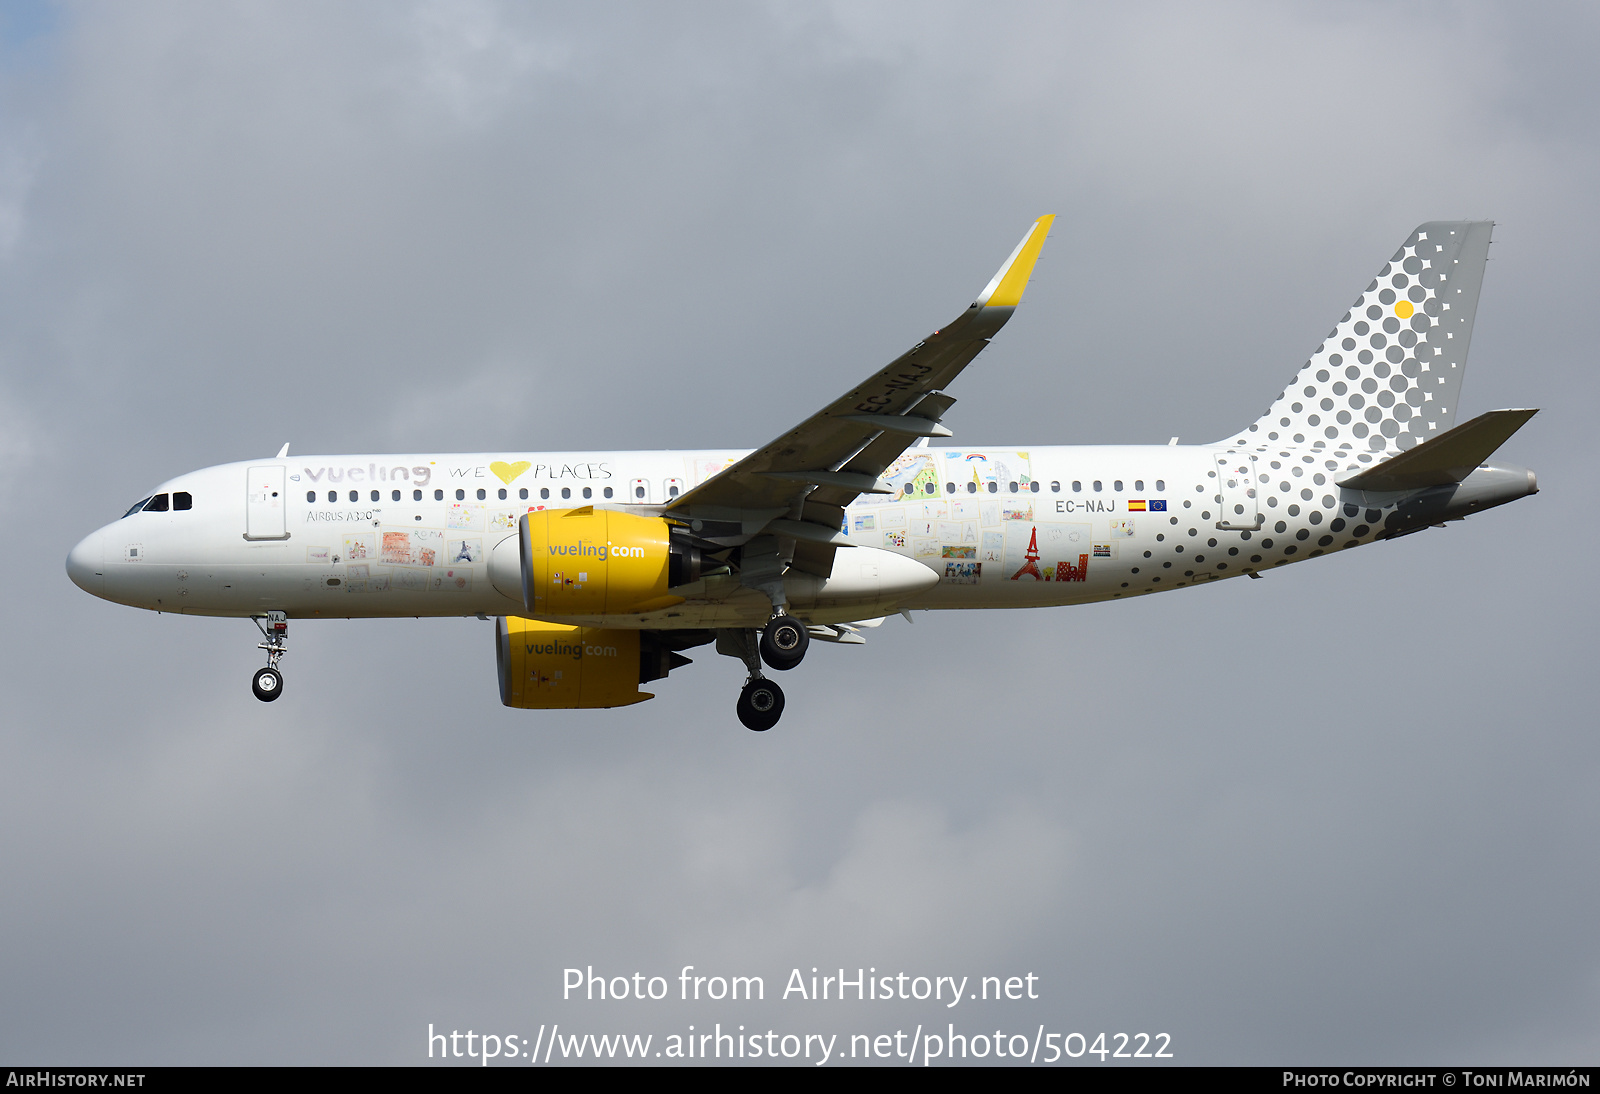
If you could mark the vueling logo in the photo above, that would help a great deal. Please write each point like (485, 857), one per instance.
(604, 552)
(574, 650)
(417, 476)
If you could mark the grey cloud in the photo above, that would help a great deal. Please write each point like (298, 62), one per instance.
(1343, 813)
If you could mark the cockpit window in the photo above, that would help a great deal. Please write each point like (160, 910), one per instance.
(180, 500)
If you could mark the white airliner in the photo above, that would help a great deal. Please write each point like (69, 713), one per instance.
(600, 568)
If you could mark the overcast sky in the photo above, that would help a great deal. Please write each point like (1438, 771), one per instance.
(1343, 814)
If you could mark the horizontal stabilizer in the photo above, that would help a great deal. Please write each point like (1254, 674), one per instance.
(1448, 458)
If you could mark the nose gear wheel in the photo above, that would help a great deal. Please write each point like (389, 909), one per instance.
(267, 684)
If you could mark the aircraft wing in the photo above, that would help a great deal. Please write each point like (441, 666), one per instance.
(797, 486)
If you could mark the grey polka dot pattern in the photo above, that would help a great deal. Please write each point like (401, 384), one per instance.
(1387, 377)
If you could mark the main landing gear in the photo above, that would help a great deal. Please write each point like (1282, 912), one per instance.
(782, 645)
(267, 683)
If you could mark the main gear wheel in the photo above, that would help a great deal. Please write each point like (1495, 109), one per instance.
(784, 642)
(760, 705)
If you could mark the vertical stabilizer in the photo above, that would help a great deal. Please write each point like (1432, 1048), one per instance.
(1388, 376)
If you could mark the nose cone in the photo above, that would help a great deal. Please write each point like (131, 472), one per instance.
(86, 564)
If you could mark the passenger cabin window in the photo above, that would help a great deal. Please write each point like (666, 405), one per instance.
(355, 495)
(394, 495)
(994, 488)
(138, 505)
(461, 495)
(523, 493)
(311, 495)
(1097, 486)
(638, 491)
(438, 495)
(482, 493)
(157, 504)
(333, 495)
(502, 493)
(544, 493)
(949, 488)
(1077, 486)
(566, 491)
(1055, 488)
(1013, 486)
(587, 493)
(1033, 486)
(375, 495)
(1117, 486)
(608, 491)
(416, 495)
(1161, 485)
(1138, 484)
(972, 488)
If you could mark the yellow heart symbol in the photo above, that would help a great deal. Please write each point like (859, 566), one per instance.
(509, 471)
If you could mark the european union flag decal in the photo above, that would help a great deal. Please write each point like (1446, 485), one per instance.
(1157, 506)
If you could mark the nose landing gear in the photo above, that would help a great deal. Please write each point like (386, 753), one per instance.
(267, 683)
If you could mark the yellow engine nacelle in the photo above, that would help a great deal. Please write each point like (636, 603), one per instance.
(597, 562)
(546, 666)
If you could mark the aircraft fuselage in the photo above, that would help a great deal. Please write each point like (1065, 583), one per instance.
(417, 535)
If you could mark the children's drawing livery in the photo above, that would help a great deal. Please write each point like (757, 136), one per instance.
(601, 568)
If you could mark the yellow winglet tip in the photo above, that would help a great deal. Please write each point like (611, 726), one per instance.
(1005, 290)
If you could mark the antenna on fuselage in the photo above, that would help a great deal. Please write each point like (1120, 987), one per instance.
(282, 452)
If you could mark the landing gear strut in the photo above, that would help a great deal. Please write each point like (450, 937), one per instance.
(760, 700)
(267, 683)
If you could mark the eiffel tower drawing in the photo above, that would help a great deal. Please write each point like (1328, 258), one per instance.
(1031, 566)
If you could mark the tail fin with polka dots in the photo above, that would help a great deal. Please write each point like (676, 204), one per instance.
(1388, 376)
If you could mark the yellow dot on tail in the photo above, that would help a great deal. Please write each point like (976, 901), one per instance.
(1404, 309)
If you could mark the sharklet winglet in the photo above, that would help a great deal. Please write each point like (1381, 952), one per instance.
(1006, 287)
